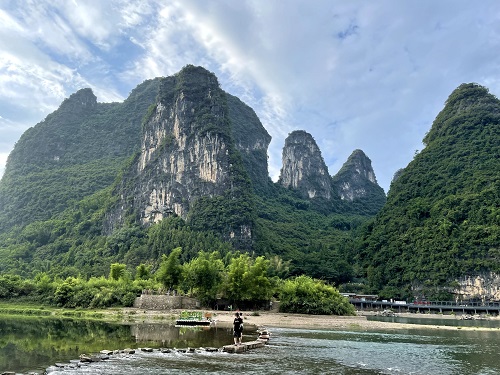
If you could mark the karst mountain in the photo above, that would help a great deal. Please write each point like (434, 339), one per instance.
(182, 163)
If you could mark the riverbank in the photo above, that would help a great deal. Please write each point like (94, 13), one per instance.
(304, 321)
(259, 319)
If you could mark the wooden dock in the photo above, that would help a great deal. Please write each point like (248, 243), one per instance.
(245, 346)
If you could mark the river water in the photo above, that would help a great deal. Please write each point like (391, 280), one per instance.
(32, 345)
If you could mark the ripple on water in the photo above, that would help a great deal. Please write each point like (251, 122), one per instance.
(325, 352)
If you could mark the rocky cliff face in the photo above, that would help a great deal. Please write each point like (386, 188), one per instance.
(188, 164)
(252, 141)
(485, 286)
(356, 179)
(304, 168)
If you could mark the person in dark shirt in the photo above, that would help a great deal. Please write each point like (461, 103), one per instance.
(237, 328)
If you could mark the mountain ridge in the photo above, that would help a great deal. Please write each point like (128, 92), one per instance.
(441, 218)
(437, 231)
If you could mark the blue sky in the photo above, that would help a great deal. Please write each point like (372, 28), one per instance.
(369, 75)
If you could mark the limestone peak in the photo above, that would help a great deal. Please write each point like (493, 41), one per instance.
(303, 166)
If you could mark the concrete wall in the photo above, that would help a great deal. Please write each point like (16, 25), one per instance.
(163, 302)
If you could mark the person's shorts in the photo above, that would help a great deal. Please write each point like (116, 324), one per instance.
(236, 333)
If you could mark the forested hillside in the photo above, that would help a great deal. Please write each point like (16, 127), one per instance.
(99, 184)
(442, 216)
(76, 151)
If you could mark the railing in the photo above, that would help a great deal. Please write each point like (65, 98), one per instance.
(430, 305)
(459, 304)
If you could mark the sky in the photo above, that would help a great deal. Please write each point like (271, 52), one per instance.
(369, 75)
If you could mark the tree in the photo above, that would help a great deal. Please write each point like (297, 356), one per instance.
(247, 279)
(203, 275)
(170, 271)
(117, 271)
(235, 287)
(143, 272)
(256, 281)
(306, 295)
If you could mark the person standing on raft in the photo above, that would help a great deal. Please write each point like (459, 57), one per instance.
(237, 328)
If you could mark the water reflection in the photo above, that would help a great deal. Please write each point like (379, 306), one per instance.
(35, 343)
(185, 337)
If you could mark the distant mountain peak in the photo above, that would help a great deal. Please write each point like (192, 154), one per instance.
(303, 167)
(356, 179)
(82, 100)
(359, 163)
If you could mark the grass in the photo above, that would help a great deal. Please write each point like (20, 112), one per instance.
(27, 309)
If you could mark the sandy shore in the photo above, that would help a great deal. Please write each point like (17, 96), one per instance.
(284, 320)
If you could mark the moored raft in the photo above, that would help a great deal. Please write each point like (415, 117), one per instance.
(194, 318)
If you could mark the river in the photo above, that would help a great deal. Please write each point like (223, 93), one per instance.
(35, 345)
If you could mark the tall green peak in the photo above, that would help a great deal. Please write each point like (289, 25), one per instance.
(441, 221)
(356, 184)
(75, 151)
(467, 98)
(188, 164)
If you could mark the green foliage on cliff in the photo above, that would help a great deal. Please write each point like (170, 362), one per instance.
(440, 221)
(442, 217)
(246, 126)
(76, 151)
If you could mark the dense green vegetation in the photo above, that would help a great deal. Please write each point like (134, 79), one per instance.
(67, 174)
(315, 244)
(442, 217)
(238, 278)
(308, 296)
(72, 244)
(76, 151)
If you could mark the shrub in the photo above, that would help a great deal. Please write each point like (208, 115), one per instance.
(306, 295)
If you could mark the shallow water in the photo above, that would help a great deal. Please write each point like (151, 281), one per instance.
(290, 351)
(327, 352)
(448, 321)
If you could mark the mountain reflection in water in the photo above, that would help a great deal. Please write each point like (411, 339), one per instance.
(33, 344)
